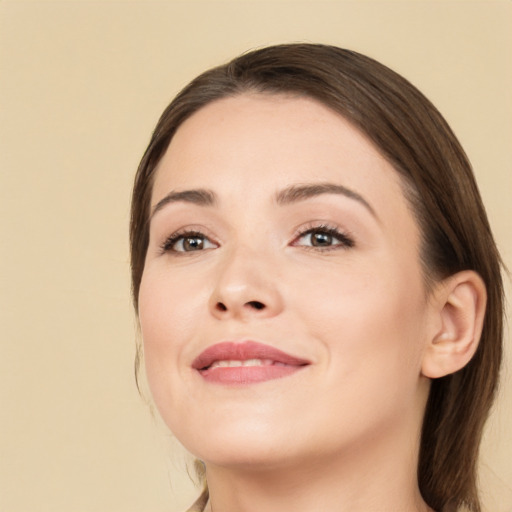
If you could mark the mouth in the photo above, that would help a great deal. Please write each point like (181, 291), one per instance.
(245, 363)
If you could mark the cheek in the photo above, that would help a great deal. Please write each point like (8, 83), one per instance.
(369, 320)
(168, 318)
(167, 308)
(375, 356)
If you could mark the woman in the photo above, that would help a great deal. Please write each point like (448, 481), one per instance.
(317, 285)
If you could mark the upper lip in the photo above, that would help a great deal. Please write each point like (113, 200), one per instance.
(232, 351)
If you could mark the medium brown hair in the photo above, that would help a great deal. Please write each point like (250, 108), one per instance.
(438, 181)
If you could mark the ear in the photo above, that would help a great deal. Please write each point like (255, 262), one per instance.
(459, 303)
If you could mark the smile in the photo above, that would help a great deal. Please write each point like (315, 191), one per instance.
(249, 362)
(245, 363)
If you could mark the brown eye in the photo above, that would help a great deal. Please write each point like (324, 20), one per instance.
(188, 242)
(320, 239)
(324, 238)
(194, 243)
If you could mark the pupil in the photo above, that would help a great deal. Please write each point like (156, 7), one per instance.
(193, 244)
(321, 239)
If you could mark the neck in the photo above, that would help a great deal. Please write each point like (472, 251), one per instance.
(372, 477)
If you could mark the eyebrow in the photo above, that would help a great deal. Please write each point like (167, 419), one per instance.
(289, 195)
(200, 197)
(297, 193)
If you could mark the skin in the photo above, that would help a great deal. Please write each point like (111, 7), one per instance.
(343, 433)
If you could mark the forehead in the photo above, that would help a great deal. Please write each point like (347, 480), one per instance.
(265, 142)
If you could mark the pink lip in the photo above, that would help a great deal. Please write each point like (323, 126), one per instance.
(279, 364)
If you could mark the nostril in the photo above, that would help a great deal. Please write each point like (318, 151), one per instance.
(221, 307)
(255, 304)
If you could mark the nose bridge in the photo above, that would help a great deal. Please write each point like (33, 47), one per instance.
(246, 284)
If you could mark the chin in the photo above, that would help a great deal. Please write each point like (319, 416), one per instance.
(243, 444)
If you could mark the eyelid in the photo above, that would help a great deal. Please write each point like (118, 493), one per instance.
(342, 235)
(185, 232)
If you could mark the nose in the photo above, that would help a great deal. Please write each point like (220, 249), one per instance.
(246, 287)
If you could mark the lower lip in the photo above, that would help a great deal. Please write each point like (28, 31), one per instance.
(241, 375)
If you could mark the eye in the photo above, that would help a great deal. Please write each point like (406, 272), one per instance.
(187, 242)
(323, 237)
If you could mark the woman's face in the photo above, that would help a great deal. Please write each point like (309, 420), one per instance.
(281, 241)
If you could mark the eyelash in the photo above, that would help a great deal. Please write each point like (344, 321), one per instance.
(344, 239)
(173, 239)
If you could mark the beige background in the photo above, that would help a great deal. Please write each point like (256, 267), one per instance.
(81, 87)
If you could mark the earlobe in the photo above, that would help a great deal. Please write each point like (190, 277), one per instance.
(460, 303)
